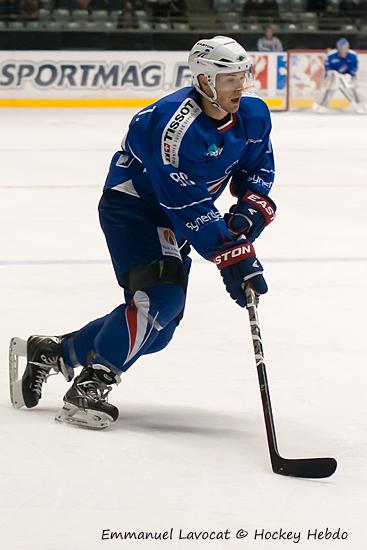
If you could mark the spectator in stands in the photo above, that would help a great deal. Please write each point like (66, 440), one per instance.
(29, 9)
(126, 20)
(269, 42)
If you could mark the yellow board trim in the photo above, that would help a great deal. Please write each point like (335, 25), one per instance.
(80, 102)
(307, 103)
(275, 102)
(129, 102)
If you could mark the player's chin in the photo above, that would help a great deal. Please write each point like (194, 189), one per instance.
(232, 106)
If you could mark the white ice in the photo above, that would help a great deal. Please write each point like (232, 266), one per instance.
(189, 449)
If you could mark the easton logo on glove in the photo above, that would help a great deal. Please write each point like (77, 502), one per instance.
(262, 205)
(234, 255)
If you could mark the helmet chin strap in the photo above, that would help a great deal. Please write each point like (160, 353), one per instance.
(212, 100)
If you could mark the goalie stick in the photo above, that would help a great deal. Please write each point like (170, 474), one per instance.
(296, 467)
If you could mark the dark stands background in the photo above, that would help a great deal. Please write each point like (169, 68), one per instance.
(177, 24)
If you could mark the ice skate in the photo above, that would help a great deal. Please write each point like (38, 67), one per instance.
(319, 109)
(43, 355)
(85, 403)
(358, 108)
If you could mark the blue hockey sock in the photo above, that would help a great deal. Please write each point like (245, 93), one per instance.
(78, 345)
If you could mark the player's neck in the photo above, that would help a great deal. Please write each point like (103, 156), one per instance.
(210, 110)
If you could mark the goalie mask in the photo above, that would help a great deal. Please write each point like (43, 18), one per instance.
(342, 43)
(218, 55)
(342, 46)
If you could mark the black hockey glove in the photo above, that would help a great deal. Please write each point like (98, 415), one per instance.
(239, 266)
(250, 215)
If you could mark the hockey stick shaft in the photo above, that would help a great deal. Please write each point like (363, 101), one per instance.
(261, 372)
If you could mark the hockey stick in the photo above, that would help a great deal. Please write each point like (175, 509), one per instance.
(296, 467)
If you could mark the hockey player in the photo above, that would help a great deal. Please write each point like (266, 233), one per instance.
(341, 66)
(177, 157)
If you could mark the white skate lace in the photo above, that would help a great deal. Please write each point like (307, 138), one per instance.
(51, 361)
(96, 390)
(41, 377)
(55, 363)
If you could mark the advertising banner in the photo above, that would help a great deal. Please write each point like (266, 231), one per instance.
(114, 78)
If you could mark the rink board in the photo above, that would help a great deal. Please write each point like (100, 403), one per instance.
(115, 78)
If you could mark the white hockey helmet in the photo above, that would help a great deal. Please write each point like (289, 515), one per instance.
(212, 56)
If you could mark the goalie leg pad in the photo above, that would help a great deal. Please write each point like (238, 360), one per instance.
(332, 81)
(330, 85)
(346, 87)
(356, 95)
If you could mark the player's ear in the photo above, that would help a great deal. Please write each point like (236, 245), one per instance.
(203, 81)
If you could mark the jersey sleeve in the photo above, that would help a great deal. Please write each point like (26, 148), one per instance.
(256, 170)
(354, 65)
(171, 150)
(327, 66)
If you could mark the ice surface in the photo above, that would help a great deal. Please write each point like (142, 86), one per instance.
(189, 450)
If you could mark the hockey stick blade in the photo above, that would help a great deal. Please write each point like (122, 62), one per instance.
(312, 468)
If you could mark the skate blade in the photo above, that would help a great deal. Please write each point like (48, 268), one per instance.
(84, 418)
(17, 349)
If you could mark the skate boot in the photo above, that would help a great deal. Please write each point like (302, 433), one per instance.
(319, 109)
(43, 354)
(358, 108)
(85, 404)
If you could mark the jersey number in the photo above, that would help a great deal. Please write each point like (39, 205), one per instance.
(182, 179)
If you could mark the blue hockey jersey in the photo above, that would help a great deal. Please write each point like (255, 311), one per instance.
(175, 157)
(343, 65)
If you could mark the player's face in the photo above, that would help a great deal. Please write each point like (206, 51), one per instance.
(269, 33)
(343, 51)
(229, 88)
